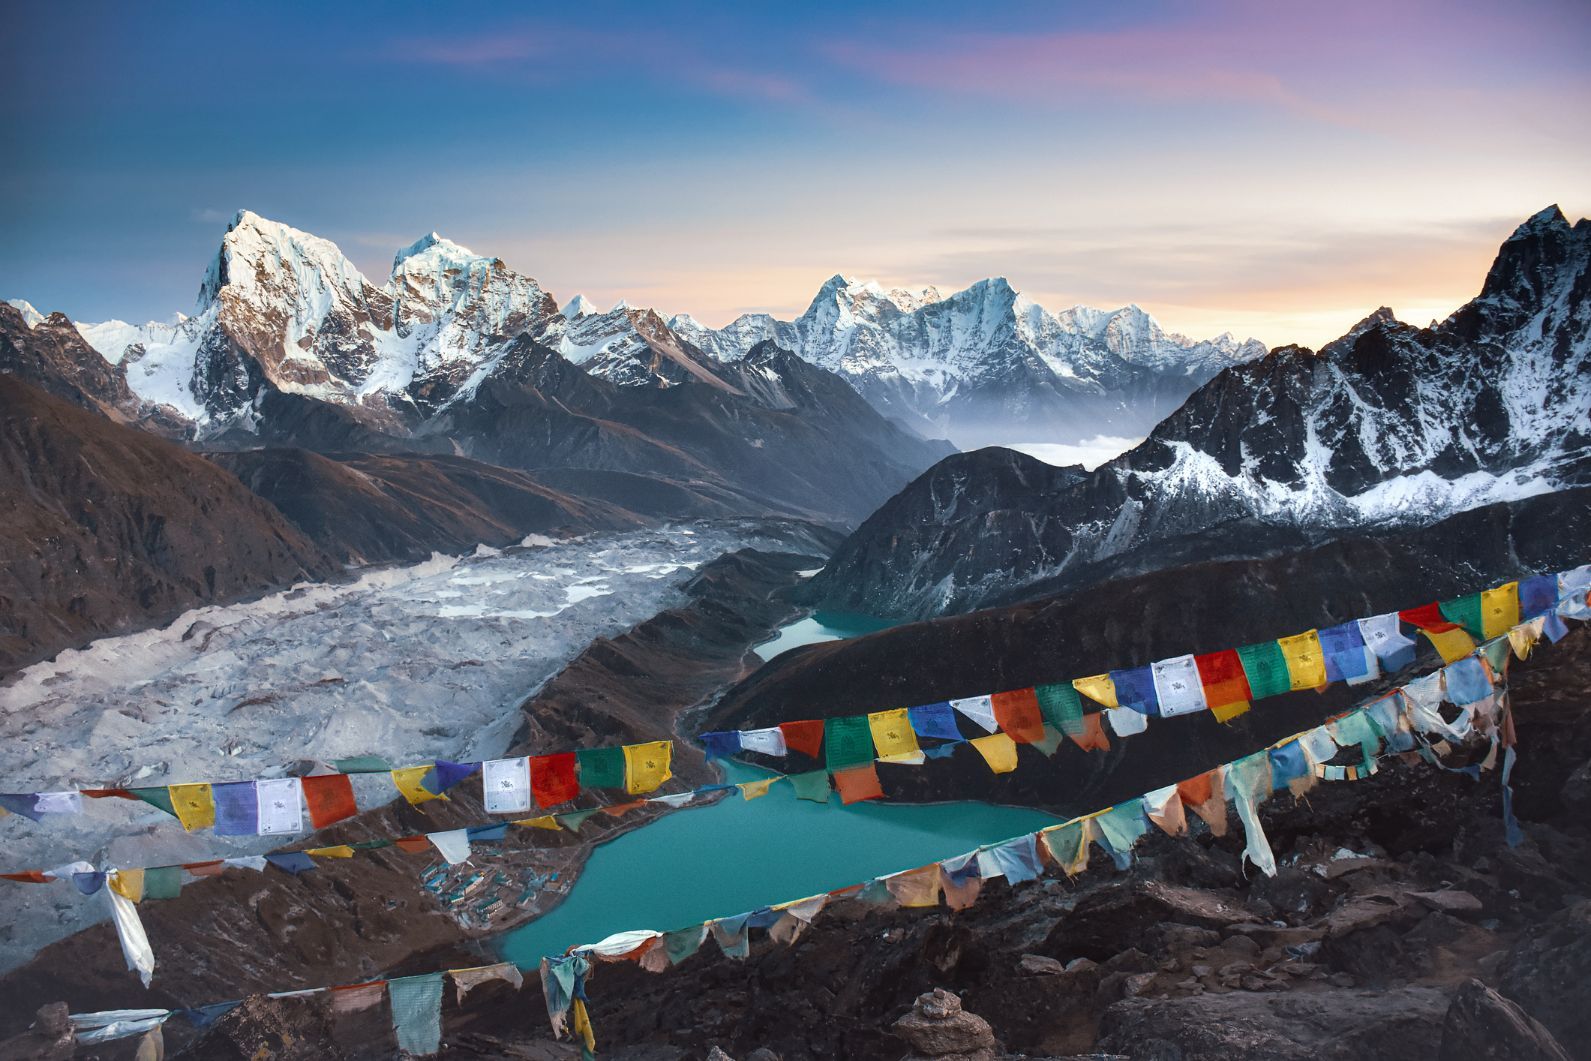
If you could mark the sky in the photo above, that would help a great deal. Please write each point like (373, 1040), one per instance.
(1274, 170)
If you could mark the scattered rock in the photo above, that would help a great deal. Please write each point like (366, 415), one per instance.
(1449, 901)
(278, 1029)
(1039, 965)
(1482, 1025)
(49, 1038)
(937, 1027)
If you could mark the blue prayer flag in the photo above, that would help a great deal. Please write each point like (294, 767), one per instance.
(1538, 595)
(1345, 652)
(721, 745)
(237, 809)
(294, 862)
(934, 720)
(1136, 689)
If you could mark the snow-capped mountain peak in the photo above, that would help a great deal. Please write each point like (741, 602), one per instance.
(579, 306)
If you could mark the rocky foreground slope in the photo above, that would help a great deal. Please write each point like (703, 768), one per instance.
(1389, 426)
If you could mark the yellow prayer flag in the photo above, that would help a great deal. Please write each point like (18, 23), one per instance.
(1100, 688)
(1523, 637)
(756, 789)
(1227, 712)
(646, 766)
(1499, 610)
(582, 1024)
(892, 732)
(128, 883)
(1453, 645)
(546, 821)
(998, 750)
(340, 851)
(193, 804)
(915, 887)
(1306, 663)
(407, 778)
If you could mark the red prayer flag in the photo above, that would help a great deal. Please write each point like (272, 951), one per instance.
(615, 810)
(858, 783)
(31, 876)
(107, 793)
(805, 737)
(552, 779)
(1427, 617)
(205, 869)
(1221, 674)
(1093, 736)
(330, 798)
(1017, 712)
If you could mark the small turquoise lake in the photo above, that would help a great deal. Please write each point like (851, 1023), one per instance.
(738, 855)
(820, 627)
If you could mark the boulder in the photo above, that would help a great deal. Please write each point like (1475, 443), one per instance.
(1547, 971)
(1482, 1025)
(1103, 919)
(937, 1027)
(49, 1038)
(1327, 1025)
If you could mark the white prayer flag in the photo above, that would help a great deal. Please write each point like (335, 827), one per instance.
(766, 741)
(281, 805)
(507, 785)
(980, 709)
(1177, 686)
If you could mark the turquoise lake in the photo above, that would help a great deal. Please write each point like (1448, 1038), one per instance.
(820, 627)
(738, 855)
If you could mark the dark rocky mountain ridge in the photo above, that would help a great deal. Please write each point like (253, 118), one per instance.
(1389, 426)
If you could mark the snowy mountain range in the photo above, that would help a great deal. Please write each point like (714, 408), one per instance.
(988, 365)
(285, 310)
(1389, 426)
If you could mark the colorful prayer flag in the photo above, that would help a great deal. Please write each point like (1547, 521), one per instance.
(1017, 713)
(330, 798)
(998, 750)
(193, 805)
(1306, 663)
(409, 781)
(1347, 656)
(768, 741)
(1452, 644)
(1221, 674)
(849, 741)
(1060, 706)
(553, 780)
(936, 721)
(1135, 688)
(1098, 688)
(1265, 667)
(1465, 612)
(281, 806)
(237, 809)
(805, 736)
(892, 732)
(1093, 736)
(646, 766)
(601, 767)
(1178, 688)
(813, 786)
(858, 783)
(979, 710)
(1499, 610)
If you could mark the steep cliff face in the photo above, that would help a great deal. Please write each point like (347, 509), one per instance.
(110, 528)
(1389, 426)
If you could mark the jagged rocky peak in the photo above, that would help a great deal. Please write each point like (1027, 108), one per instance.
(579, 306)
(261, 260)
(987, 364)
(30, 316)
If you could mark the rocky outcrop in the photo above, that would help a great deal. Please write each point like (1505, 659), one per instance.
(1482, 1025)
(1544, 969)
(260, 1028)
(109, 528)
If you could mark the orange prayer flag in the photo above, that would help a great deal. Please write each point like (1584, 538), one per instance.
(858, 783)
(414, 845)
(330, 798)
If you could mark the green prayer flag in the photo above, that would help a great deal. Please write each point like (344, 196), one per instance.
(813, 786)
(159, 796)
(1266, 669)
(876, 893)
(362, 764)
(162, 882)
(682, 943)
(576, 818)
(1466, 612)
(1060, 707)
(370, 845)
(849, 741)
(601, 767)
(1497, 653)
